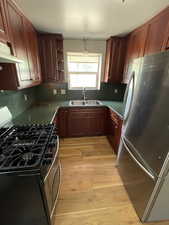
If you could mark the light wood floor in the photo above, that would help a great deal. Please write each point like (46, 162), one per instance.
(92, 192)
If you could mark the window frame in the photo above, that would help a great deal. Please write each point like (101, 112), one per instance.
(98, 73)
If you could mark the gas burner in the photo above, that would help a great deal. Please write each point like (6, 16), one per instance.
(24, 146)
(27, 156)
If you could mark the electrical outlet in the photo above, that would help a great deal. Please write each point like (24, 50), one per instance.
(115, 91)
(54, 92)
(63, 91)
(26, 97)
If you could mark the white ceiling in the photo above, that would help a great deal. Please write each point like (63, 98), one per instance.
(96, 19)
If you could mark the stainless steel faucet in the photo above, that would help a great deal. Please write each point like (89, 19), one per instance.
(84, 94)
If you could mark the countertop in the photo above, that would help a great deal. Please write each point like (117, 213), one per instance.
(44, 112)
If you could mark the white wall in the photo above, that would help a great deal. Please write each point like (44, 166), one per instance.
(93, 46)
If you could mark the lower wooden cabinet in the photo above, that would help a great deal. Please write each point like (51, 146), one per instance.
(63, 122)
(114, 130)
(90, 121)
(82, 121)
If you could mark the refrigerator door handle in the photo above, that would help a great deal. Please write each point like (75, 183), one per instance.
(129, 92)
(138, 163)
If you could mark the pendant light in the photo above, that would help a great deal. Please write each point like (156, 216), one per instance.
(85, 52)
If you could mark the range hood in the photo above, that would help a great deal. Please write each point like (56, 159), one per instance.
(6, 56)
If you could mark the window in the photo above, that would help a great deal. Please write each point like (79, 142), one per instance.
(84, 71)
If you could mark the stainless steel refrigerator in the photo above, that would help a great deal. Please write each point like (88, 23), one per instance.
(143, 158)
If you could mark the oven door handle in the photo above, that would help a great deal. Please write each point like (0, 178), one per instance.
(55, 201)
(56, 154)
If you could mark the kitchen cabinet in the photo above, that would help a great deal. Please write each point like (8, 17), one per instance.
(18, 42)
(3, 22)
(114, 130)
(82, 121)
(135, 48)
(152, 37)
(114, 60)
(32, 50)
(51, 57)
(166, 41)
(23, 46)
(157, 33)
(63, 122)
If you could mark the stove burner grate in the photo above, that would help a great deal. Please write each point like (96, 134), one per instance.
(24, 147)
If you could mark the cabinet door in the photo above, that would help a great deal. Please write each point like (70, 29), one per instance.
(3, 22)
(117, 136)
(135, 48)
(97, 122)
(166, 41)
(51, 56)
(78, 123)
(86, 122)
(107, 59)
(157, 33)
(115, 126)
(32, 49)
(114, 61)
(63, 122)
(129, 57)
(18, 43)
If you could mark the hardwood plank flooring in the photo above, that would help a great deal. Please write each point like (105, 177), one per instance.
(92, 192)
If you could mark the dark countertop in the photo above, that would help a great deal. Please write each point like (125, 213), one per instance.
(44, 112)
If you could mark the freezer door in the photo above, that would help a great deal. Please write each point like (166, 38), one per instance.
(139, 182)
(147, 126)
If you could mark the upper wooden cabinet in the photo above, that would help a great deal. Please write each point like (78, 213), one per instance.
(166, 41)
(150, 38)
(32, 51)
(157, 33)
(51, 57)
(18, 42)
(114, 60)
(23, 43)
(135, 48)
(3, 22)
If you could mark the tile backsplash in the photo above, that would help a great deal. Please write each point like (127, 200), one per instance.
(54, 92)
(17, 101)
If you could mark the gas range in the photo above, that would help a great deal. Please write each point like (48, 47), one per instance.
(26, 147)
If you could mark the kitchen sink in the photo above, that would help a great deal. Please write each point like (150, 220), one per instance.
(84, 103)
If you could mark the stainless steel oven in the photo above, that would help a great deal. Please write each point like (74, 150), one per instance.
(52, 181)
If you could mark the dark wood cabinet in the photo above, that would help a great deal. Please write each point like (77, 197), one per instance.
(63, 122)
(157, 32)
(4, 36)
(135, 48)
(114, 130)
(32, 50)
(18, 41)
(51, 57)
(23, 43)
(82, 121)
(90, 121)
(152, 37)
(114, 60)
(166, 40)
(86, 121)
